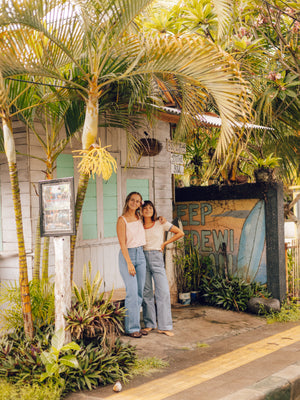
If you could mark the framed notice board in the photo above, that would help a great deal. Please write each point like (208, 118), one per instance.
(57, 207)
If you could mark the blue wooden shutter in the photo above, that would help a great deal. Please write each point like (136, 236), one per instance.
(89, 212)
(138, 185)
(110, 206)
(65, 168)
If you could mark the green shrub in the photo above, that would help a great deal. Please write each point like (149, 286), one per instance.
(289, 312)
(42, 305)
(91, 316)
(21, 362)
(217, 288)
(98, 358)
(8, 391)
(229, 293)
(100, 366)
(58, 359)
(190, 266)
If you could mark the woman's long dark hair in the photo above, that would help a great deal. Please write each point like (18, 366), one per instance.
(149, 203)
(125, 208)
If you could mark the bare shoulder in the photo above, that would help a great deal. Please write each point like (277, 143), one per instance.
(121, 220)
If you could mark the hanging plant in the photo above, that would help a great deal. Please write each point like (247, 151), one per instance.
(148, 147)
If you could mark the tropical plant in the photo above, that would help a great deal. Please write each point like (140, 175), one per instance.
(93, 316)
(96, 51)
(269, 31)
(99, 366)
(189, 266)
(21, 362)
(55, 361)
(13, 95)
(270, 162)
(42, 305)
(264, 168)
(20, 356)
(50, 117)
(263, 36)
(230, 293)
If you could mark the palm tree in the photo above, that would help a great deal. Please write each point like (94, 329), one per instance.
(93, 47)
(13, 95)
(53, 113)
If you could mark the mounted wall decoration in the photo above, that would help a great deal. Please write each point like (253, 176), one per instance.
(57, 207)
(148, 147)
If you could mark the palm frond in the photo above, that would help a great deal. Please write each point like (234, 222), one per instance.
(224, 12)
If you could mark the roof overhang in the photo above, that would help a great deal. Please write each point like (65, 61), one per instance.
(172, 115)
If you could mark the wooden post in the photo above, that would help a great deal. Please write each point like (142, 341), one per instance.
(62, 282)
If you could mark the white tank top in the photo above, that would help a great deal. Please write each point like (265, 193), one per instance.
(135, 233)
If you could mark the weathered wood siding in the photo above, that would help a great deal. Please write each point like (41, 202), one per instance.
(102, 251)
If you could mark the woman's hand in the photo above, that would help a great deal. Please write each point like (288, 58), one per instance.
(163, 246)
(131, 269)
(162, 220)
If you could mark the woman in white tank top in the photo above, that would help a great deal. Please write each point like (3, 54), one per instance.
(132, 262)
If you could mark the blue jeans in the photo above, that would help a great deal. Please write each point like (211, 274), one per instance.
(162, 313)
(134, 287)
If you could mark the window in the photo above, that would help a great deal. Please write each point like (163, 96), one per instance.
(110, 206)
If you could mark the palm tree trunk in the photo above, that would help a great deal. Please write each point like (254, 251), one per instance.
(89, 137)
(37, 253)
(23, 273)
(45, 259)
(81, 191)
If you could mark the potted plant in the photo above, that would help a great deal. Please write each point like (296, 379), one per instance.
(264, 167)
(148, 147)
(185, 271)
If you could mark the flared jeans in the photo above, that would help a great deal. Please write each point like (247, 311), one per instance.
(156, 307)
(134, 287)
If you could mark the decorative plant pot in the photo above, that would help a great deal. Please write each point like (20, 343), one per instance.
(185, 298)
(264, 175)
(194, 297)
(148, 147)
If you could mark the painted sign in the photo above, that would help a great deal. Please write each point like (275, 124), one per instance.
(176, 147)
(230, 232)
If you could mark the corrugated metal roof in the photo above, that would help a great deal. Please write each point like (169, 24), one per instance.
(212, 120)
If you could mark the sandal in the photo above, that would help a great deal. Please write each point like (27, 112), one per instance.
(144, 332)
(135, 334)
